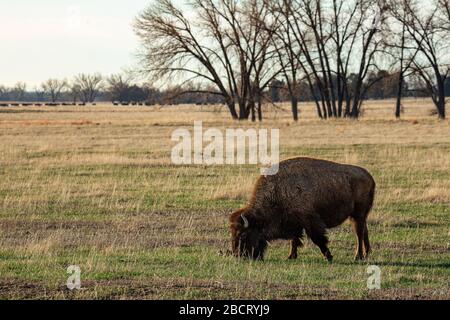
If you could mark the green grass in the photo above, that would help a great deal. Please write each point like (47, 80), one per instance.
(107, 198)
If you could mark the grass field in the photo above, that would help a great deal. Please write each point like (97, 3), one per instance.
(95, 187)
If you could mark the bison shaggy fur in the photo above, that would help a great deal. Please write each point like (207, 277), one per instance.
(306, 195)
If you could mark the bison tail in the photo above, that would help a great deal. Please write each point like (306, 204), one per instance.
(371, 198)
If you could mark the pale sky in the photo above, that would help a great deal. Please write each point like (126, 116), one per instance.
(61, 38)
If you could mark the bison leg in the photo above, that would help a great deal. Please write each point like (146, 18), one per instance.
(359, 221)
(316, 232)
(295, 243)
(366, 242)
(359, 227)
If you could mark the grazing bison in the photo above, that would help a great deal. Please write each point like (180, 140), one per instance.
(308, 195)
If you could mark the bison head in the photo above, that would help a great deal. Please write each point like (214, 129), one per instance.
(247, 239)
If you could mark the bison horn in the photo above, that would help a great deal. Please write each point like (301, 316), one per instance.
(246, 224)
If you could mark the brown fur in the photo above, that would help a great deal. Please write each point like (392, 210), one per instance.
(308, 195)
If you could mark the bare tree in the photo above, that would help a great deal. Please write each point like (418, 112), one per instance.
(431, 39)
(174, 48)
(54, 88)
(402, 50)
(119, 86)
(259, 53)
(19, 91)
(338, 42)
(90, 85)
(39, 93)
(74, 91)
(401, 74)
(287, 51)
(3, 93)
(337, 48)
(444, 13)
(247, 31)
(225, 43)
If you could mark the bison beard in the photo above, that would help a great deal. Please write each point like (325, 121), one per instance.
(306, 195)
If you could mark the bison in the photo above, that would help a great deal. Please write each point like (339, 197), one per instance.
(308, 195)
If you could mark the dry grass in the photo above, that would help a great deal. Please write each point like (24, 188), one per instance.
(94, 186)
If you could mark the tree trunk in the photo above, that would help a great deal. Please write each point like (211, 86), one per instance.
(441, 101)
(319, 112)
(242, 111)
(252, 110)
(441, 93)
(294, 104)
(324, 110)
(260, 118)
(340, 102)
(398, 107)
(232, 107)
(347, 104)
(356, 99)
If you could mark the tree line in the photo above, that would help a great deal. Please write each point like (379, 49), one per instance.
(121, 88)
(87, 88)
(84, 88)
(338, 53)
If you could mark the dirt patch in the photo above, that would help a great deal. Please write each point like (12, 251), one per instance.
(162, 289)
(409, 294)
(142, 233)
(18, 289)
(202, 289)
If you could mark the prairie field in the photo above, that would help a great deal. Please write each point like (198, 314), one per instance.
(94, 186)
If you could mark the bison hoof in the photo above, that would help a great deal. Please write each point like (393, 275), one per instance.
(292, 257)
(329, 257)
